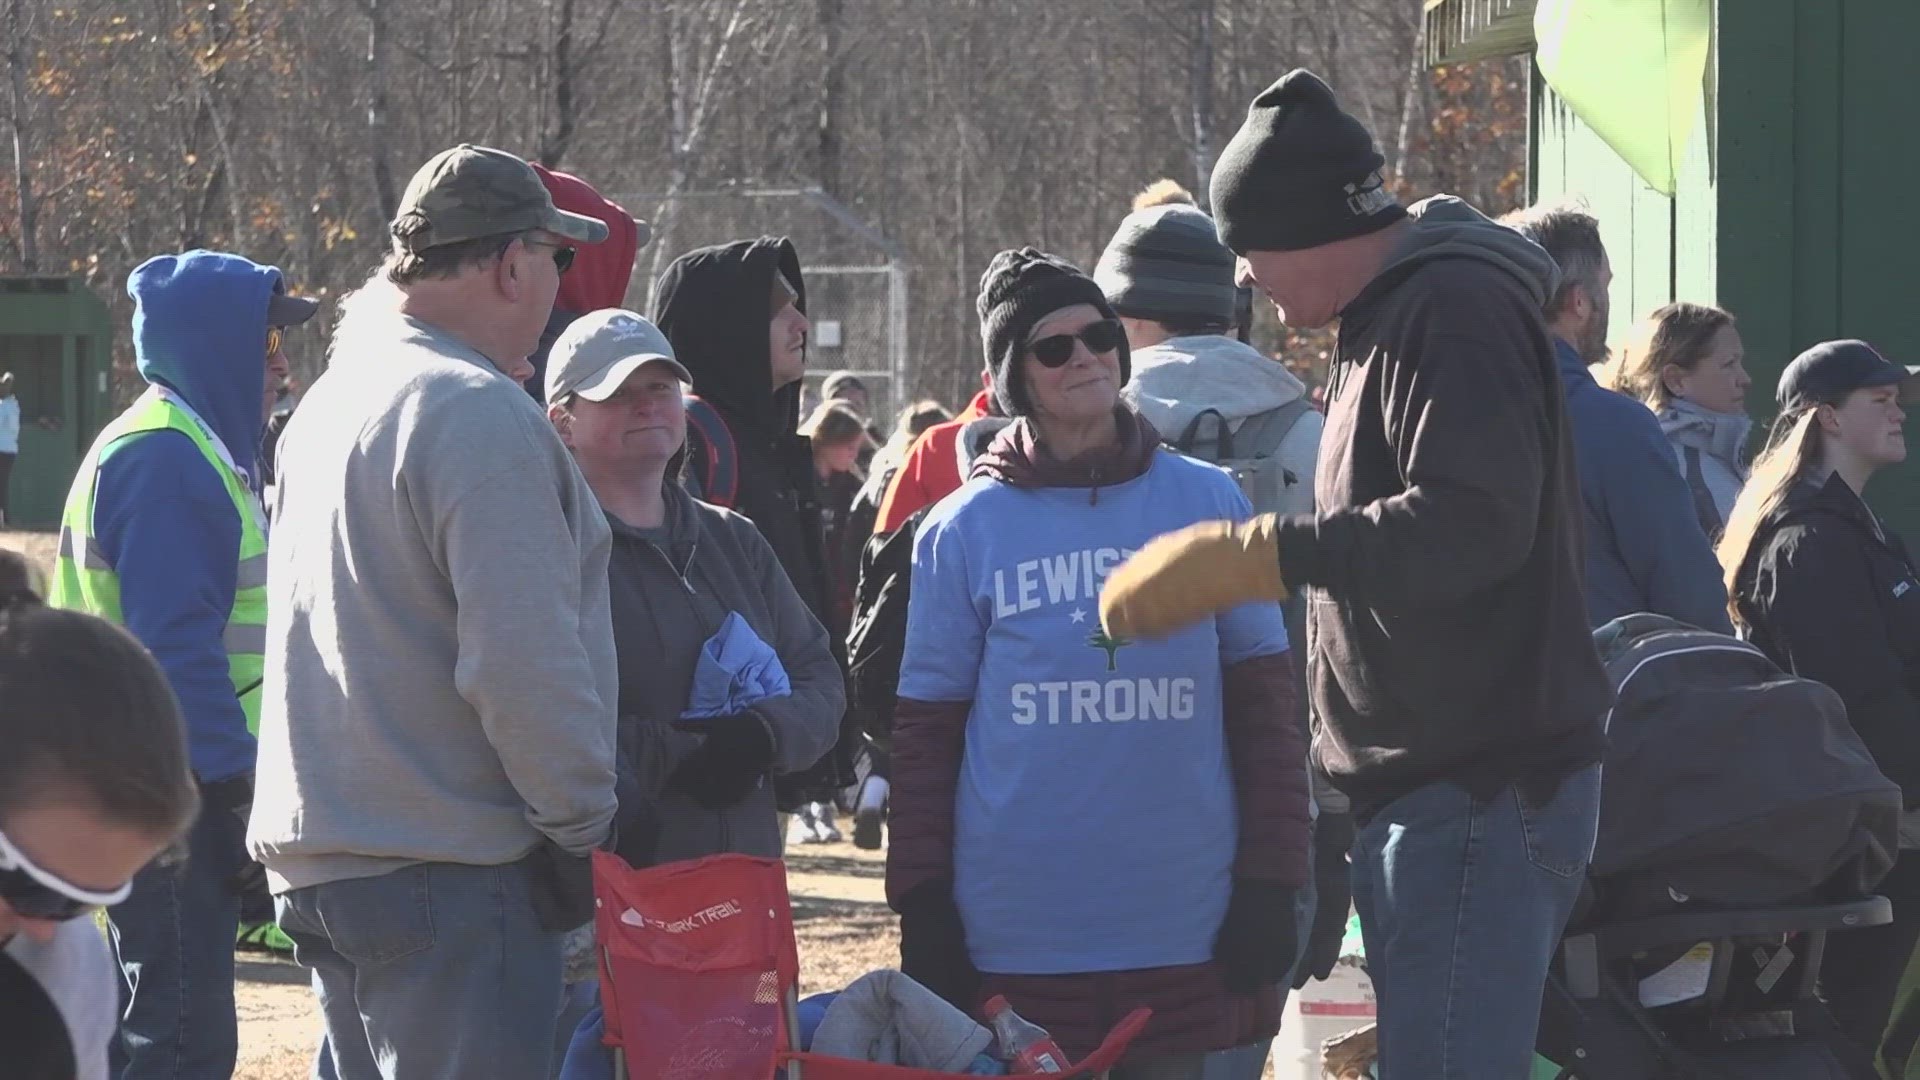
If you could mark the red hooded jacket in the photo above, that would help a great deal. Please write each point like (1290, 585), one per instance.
(600, 272)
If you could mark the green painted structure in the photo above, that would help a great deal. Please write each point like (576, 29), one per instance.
(56, 336)
(1792, 210)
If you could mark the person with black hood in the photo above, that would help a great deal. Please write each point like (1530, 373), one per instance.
(736, 316)
(1457, 697)
(1024, 861)
(1829, 593)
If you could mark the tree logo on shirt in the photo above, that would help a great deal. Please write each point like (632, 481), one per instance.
(1101, 640)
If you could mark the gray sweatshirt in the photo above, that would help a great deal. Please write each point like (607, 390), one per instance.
(440, 672)
(672, 588)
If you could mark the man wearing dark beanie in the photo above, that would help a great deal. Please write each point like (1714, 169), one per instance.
(1457, 697)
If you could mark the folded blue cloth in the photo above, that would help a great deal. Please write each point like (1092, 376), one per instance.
(736, 670)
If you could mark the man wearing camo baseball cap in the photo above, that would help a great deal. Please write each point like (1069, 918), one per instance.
(438, 723)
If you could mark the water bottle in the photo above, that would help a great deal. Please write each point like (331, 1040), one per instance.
(1027, 1047)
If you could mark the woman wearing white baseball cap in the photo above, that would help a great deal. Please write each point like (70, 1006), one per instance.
(680, 567)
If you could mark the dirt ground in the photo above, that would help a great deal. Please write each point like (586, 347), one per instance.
(840, 914)
(39, 548)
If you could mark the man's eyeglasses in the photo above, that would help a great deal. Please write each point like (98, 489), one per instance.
(1101, 337)
(34, 893)
(274, 336)
(562, 254)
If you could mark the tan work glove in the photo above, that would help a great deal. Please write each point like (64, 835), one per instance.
(1185, 576)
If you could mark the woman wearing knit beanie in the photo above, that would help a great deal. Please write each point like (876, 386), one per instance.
(1025, 860)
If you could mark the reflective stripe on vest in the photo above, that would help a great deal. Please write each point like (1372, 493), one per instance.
(85, 581)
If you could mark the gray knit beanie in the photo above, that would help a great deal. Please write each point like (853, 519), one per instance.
(1167, 263)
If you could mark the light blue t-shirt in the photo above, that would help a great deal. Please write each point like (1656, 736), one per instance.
(1095, 823)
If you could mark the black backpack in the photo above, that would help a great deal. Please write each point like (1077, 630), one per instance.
(1729, 781)
(877, 638)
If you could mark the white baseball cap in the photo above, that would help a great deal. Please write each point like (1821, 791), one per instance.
(598, 350)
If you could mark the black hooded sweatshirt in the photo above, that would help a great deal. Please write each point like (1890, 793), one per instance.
(712, 303)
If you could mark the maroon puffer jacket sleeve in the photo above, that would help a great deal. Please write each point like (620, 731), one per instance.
(929, 738)
(1269, 764)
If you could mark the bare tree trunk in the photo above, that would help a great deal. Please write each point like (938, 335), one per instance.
(385, 200)
(1200, 83)
(832, 93)
(689, 120)
(27, 203)
(556, 128)
(1410, 100)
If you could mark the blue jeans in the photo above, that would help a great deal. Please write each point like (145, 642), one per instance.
(1462, 905)
(173, 936)
(434, 972)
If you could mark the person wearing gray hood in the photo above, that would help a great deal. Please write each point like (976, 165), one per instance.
(686, 788)
(1213, 396)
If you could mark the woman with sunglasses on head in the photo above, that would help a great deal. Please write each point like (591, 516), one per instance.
(94, 784)
(1083, 824)
(1820, 585)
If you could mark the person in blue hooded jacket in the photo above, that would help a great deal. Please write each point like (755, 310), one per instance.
(1645, 550)
(163, 534)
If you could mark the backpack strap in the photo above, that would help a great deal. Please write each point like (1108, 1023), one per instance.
(713, 458)
(1703, 504)
(1222, 440)
(1268, 431)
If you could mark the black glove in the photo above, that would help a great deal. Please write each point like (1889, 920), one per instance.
(933, 945)
(560, 886)
(1257, 941)
(1333, 897)
(729, 764)
(234, 795)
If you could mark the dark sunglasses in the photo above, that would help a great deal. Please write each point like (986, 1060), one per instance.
(562, 254)
(1055, 350)
(34, 893)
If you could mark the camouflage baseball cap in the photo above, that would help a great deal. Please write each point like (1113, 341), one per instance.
(473, 191)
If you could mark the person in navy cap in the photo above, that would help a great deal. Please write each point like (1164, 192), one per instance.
(1819, 582)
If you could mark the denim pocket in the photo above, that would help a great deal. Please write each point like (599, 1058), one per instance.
(1560, 834)
(377, 920)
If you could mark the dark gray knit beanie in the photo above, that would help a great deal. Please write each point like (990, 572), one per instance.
(1166, 262)
(1299, 173)
(1018, 289)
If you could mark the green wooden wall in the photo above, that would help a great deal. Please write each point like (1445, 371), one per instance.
(1792, 211)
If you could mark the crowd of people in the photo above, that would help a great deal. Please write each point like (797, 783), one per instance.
(1151, 669)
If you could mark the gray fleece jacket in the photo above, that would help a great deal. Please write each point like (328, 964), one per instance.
(672, 588)
(440, 672)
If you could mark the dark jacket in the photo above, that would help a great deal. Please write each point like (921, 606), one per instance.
(668, 599)
(845, 540)
(1445, 610)
(712, 304)
(1831, 596)
(1192, 1009)
(1644, 547)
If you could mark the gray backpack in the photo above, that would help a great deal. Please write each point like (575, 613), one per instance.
(1250, 454)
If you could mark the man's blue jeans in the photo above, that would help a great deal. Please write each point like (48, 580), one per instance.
(173, 936)
(434, 971)
(1462, 905)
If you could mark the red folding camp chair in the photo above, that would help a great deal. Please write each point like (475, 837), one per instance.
(699, 974)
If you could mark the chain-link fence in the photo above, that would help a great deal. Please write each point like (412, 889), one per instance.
(856, 277)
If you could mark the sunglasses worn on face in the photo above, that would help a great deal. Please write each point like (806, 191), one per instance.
(562, 254)
(34, 893)
(1055, 350)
